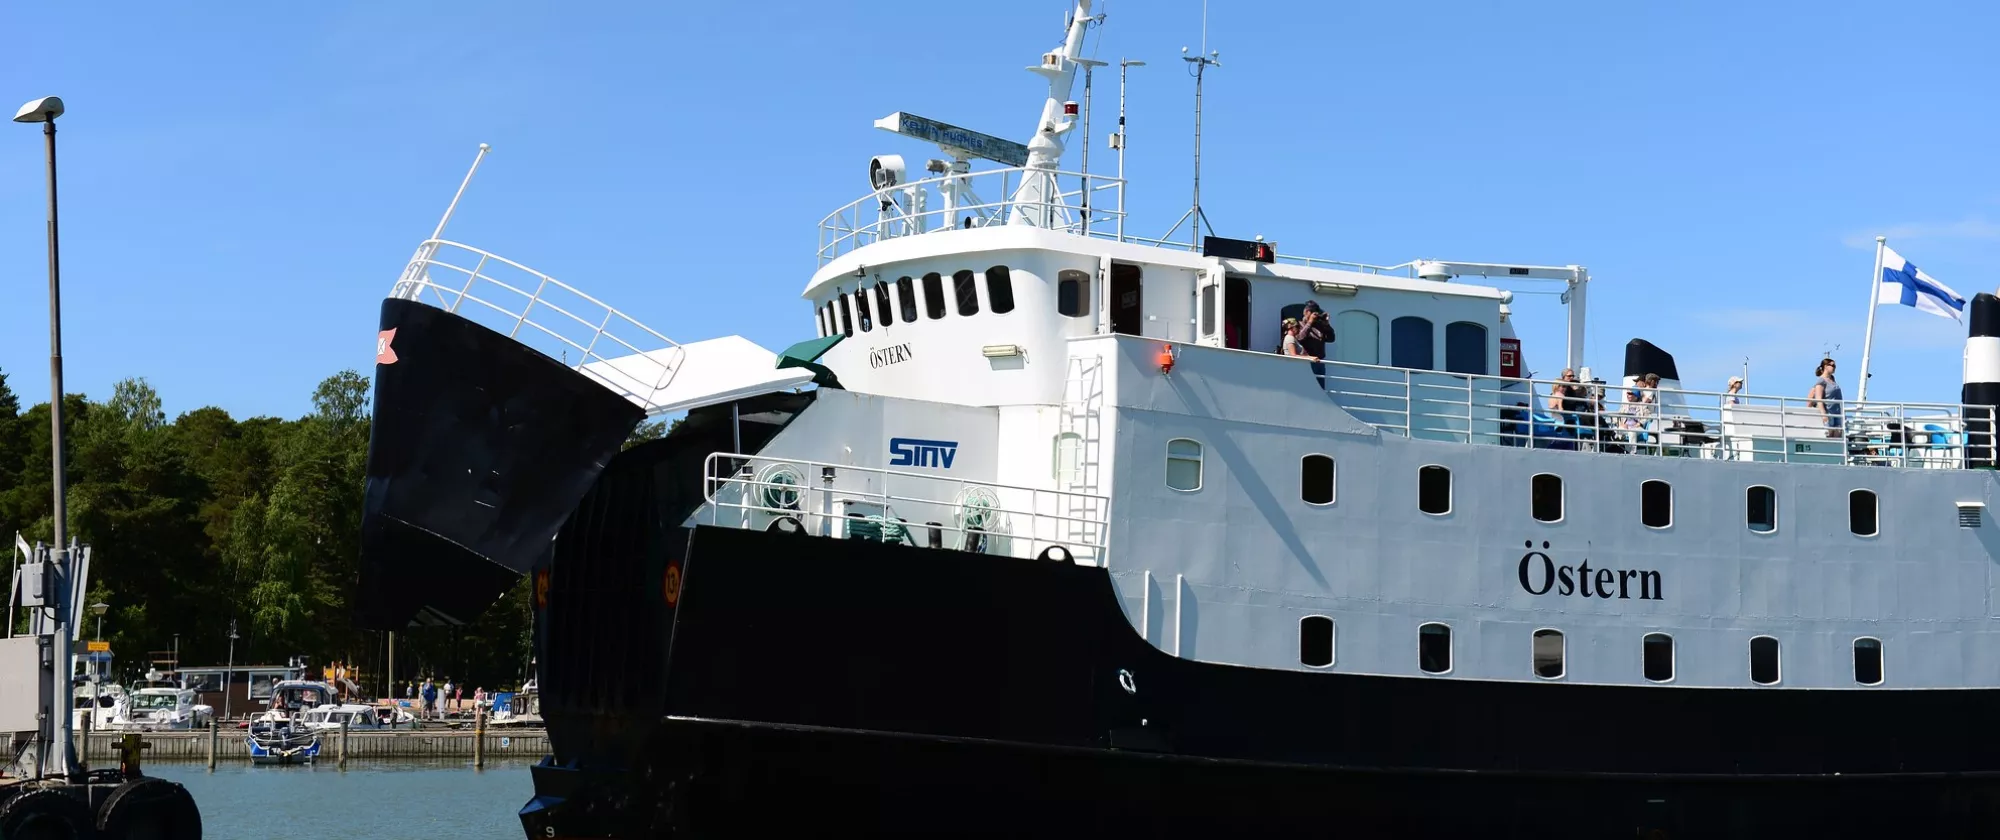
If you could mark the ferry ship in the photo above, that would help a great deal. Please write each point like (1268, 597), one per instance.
(1037, 531)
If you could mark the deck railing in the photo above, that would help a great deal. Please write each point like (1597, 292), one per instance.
(838, 500)
(975, 199)
(1506, 411)
(546, 314)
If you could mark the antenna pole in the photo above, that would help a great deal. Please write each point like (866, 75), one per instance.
(1118, 140)
(453, 207)
(1201, 64)
(1088, 67)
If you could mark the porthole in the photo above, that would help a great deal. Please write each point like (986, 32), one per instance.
(1764, 666)
(1548, 653)
(1659, 657)
(1184, 464)
(1861, 513)
(1762, 515)
(1072, 293)
(1868, 661)
(1434, 490)
(1316, 479)
(1434, 648)
(1545, 501)
(1316, 641)
(1656, 504)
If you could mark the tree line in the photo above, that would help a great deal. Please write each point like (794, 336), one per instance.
(205, 522)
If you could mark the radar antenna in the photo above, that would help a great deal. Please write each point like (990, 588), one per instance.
(1039, 197)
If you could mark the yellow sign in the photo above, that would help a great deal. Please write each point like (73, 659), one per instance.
(97, 647)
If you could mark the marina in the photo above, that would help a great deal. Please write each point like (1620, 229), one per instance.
(418, 746)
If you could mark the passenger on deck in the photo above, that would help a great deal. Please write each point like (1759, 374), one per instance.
(1825, 396)
(1288, 338)
(1314, 333)
(1641, 407)
(1734, 394)
(1570, 401)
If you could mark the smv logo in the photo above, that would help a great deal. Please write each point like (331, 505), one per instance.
(911, 452)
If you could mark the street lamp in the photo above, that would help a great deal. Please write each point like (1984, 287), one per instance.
(98, 609)
(229, 674)
(44, 111)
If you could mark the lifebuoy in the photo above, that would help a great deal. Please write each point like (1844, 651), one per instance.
(49, 813)
(164, 810)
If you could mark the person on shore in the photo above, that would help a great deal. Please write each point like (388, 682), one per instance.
(448, 704)
(430, 698)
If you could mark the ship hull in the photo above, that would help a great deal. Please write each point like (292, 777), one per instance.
(896, 690)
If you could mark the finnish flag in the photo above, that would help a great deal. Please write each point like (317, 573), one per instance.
(1904, 283)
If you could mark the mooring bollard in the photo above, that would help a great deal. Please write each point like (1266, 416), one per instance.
(214, 732)
(478, 738)
(343, 744)
(128, 760)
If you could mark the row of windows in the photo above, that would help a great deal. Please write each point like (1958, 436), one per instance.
(1547, 652)
(865, 307)
(1412, 342)
(1545, 492)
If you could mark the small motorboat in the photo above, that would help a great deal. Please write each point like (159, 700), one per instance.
(274, 742)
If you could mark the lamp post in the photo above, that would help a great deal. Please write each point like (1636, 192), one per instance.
(229, 673)
(98, 609)
(54, 735)
(44, 111)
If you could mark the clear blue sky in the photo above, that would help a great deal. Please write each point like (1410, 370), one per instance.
(241, 185)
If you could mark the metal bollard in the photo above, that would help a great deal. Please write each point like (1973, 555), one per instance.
(478, 738)
(214, 731)
(128, 760)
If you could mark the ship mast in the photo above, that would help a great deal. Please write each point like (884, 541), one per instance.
(1038, 198)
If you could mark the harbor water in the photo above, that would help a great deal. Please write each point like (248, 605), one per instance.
(370, 799)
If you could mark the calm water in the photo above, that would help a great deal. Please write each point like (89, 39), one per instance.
(368, 800)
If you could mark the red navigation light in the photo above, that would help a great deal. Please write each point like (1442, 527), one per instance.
(1069, 108)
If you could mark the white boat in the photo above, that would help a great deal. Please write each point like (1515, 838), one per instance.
(161, 708)
(356, 716)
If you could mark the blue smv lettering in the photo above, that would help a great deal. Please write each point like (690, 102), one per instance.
(911, 452)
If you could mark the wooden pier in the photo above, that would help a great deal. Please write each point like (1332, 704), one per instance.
(233, 745)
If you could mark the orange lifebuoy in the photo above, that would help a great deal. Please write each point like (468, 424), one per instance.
(542, 589)
(672, 584)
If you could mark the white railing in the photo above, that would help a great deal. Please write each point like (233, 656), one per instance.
(543, 313)
(837, 500)
(955, 201)
(1701, 424)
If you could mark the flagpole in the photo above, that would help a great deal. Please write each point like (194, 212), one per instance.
(1874, 294)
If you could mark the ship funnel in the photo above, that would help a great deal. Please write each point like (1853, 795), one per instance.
(1982, 378)
(480, 448)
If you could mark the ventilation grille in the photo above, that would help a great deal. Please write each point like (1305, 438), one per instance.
(1969, 514)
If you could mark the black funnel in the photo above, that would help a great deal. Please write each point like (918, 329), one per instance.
(481, 447)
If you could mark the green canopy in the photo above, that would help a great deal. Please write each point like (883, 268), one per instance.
(805, 354)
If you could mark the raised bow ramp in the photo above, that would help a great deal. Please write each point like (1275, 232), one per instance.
(500, 395)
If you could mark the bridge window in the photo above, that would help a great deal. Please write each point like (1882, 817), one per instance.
(1208, 310)
(1434, 490)
(1316, 479)
(1549, 654)
(1545, 497)
(1000, 290)
(968, 292)
(1316, 641)
(1763, 515)
(1764, 660)
(1357, 337)
(882, 308)
(819, 315)
(1072, 293)
(934, 295)
(1184, 464)
(906, 294)
(1659, 655)
(846, 317)
(1868, 661)
(1465, 348)
(861, 309)
(1656, 504)
(1411, 344)
(1861, 513)
(1434, 648)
